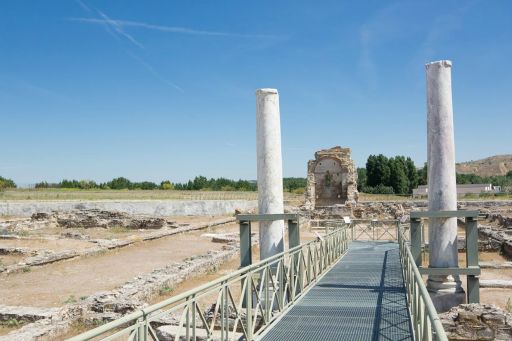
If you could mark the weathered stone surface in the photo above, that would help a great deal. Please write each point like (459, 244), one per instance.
(25, 314)
(232, 318)
(332, 178)
(105, 219)
(169, 332)
(74, 235)
(497, 236)
(477, 322)
(505, 220)
(40, 216)
(155, 208)
(496, 283)
(224, 238)
(9, 250)
(495, 265)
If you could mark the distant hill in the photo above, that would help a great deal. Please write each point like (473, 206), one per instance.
(494, 165)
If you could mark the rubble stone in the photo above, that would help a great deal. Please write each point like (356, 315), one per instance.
(477, 322)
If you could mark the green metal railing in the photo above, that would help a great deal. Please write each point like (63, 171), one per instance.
(245, 302)
(424, 318)
(365, 229)
(374, 229)
(472, 268)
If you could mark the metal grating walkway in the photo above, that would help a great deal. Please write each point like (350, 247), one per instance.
(361, 298)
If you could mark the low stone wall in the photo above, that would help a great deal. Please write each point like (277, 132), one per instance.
(161, 208)
(497, 236)
(107, 306)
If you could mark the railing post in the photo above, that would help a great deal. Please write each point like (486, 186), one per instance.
(293, 233)
(141, 333)
(293, 241)
(300, 270)
(473, 281)
(245, 243)
(194, 317)
(245, 248)
(416, 240)
(268, 308)
(248, 302)
(187, 321)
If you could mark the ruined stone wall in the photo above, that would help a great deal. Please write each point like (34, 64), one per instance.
(156, 208)
(332, 178)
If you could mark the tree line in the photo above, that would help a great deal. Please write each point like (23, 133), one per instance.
(200, 182)
(499, 180)
(6, 183)
(399, 175)
(394, 175)
(382, 175)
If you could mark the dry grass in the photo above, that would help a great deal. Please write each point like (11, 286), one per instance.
(468, 197)
(77, 194)
(383, 197)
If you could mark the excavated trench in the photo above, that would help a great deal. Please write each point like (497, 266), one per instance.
(58, 283)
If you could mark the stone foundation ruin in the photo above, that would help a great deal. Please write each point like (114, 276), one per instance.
(332, 178)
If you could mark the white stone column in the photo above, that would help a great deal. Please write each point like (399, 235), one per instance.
(446, 291)
(270, 170)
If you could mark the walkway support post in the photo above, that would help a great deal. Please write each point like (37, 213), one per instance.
(446, 290)
(270, 170)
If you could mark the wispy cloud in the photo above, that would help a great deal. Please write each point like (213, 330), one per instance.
(84, 6)
(9, 85)
(120, 24)
(118, 28)
(117, 31)
(366, 63)
(152, 70)
(442, 27)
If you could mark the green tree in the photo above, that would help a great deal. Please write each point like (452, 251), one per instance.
(361, 179)
(398, 175)
(6, 183)
(200, 182)
(291, 184)
(412, 174)
(166, 185)
(422, 175)
(119, 183)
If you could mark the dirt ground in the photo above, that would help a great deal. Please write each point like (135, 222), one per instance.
(53, 284)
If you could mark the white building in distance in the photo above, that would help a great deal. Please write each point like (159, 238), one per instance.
(422, 191)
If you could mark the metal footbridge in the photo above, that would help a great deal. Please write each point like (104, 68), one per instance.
(362, 297)
(337, 287)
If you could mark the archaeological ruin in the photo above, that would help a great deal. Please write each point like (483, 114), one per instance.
(331, 179)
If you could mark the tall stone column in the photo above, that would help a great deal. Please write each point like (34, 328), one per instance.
(270, 170)
(446, 291)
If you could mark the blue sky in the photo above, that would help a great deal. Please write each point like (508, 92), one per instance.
(154, 90)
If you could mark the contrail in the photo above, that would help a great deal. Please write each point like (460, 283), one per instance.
(162, 28)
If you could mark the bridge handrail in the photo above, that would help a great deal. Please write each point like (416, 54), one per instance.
(424, 317)
(268, 288)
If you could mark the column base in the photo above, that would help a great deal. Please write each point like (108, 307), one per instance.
(444, 301)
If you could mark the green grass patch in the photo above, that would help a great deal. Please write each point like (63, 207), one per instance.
(119, 229)
(71, 299)
(11, 323)
(166, 290)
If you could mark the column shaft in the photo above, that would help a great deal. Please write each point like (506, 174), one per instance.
(270, 171)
